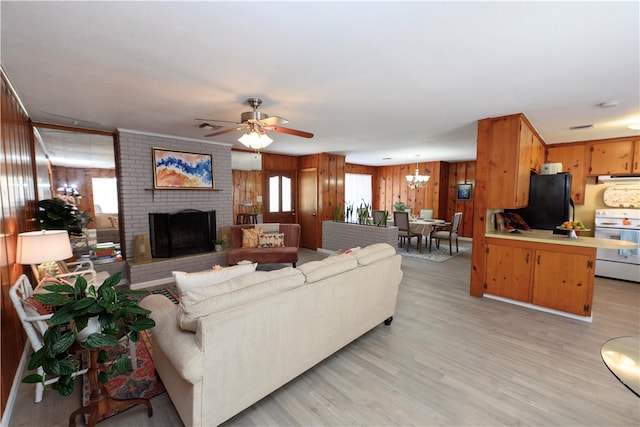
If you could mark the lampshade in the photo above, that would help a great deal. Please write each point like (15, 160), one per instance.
(255, 140)
(416, 180)
(35, 247)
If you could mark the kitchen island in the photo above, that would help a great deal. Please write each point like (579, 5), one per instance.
(545, 271)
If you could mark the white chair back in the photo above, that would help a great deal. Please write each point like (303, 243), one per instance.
(426, 213)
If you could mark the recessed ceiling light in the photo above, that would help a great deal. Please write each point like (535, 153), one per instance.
(386, 158)
(581, 127)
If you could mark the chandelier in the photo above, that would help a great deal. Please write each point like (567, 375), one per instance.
(416, 180)
(256, 138)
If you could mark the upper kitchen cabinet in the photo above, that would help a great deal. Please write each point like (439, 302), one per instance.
(573, 159)
(509, 145)
(613, 157)
(537, 152)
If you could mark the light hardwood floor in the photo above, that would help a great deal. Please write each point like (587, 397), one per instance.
(447, 359)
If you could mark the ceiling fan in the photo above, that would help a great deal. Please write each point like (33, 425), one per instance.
(257, 123)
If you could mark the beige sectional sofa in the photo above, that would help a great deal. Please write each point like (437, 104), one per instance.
(226, 346)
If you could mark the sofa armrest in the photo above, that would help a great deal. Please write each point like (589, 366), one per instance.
(180, 347)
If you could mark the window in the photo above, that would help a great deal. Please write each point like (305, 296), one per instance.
(280, 194)
(105, 195)
(357, 189)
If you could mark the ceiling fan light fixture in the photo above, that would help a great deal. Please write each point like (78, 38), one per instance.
(416, 180)
(255, 140)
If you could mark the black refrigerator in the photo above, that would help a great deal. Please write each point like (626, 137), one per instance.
(549, 202)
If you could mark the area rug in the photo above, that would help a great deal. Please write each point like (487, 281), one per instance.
(141, 383)
(436, 255)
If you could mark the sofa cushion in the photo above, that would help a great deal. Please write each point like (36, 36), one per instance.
(373, 253)
(317, 270)
(250, 237)
(271, 240)
(186, 281)
(203, 301)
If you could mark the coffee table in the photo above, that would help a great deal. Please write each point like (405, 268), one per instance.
(622, 356)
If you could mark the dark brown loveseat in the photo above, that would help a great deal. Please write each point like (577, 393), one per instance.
(286, 254)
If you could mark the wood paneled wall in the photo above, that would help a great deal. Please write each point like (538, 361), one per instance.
(461, 173)
(82, 179)
(390, 186)
(18, 201)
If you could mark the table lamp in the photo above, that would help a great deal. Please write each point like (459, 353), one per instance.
(42, 249)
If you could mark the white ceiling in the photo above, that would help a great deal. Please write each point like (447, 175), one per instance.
(371, 80)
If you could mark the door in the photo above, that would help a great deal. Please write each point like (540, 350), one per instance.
(280, 203)
(308, 208)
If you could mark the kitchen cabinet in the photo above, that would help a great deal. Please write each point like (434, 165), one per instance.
(564, 281)
(508, 272)
(613, 157)
(554, 276)
(509, 148)
(537, 153)
(573, 159)
(636, 156)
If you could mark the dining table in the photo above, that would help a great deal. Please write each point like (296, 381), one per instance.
(423, 227)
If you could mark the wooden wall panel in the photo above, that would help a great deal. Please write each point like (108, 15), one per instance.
(390, 186)
(17, 201)
(461, 173)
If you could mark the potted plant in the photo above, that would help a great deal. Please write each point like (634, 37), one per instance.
(217, 244)
(399, 206)
(54, 214)
(114, 312)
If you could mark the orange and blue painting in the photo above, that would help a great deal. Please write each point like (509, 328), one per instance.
(181, 169)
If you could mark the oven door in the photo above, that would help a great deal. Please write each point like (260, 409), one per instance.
(627, 256)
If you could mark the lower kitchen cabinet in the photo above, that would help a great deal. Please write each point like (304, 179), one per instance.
(554, 276)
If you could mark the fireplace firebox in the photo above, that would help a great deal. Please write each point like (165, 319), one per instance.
(182, 233)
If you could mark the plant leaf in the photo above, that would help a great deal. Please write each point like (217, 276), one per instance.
(122, 364)
(81, 285)
(107, 293)
(63, 344)
(137, 310)
(32, 379)
(53, 299)
(51, 366)
(142, 324)
(101, 340)
(103, 377)
(82, 303)
(112, 280)
(64, 385)
(62, 316)
(36, 359)
(61, 289)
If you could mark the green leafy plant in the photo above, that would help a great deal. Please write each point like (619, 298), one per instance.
(349, 212)
(118, 313)
(54, 214)
(219, 242)
(400, 206)
(383, 220)
(338, 214)
(363, 214)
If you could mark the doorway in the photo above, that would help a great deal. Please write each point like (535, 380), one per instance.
(280, 197)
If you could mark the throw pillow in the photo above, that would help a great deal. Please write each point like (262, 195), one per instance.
(187, 281)
(250, 237)
(271, 240)
(115, 221)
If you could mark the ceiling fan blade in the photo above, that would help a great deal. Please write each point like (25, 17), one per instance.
(272, 121)
(293, 132)
(222, 132)
(216, 120)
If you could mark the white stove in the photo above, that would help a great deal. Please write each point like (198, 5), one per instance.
(618, 224)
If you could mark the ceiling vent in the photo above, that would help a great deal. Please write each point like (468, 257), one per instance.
(581, 127)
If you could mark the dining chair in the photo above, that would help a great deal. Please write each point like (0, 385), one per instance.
(401, 220)
(449, 232)
(426, 213)
(378, 217)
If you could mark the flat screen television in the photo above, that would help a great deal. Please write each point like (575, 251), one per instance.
(182, 233)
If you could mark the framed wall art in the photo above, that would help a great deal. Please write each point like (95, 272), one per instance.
(182, 170)
(463, 191)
